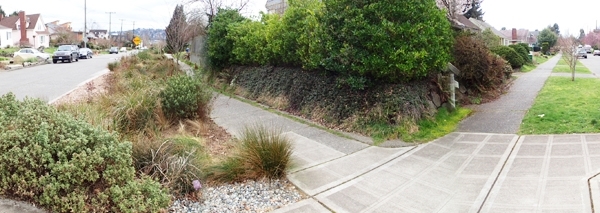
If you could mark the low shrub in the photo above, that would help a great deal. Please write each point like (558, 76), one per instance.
(510, 55)
(135, 111)
(66, 165)
(185, 97)
(481, 70)
(262, 152)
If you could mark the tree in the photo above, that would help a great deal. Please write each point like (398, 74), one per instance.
(2, 12)
(548, 36)
(503, 28)
(475, 12)
(490, 39)
(454, 8)
(592, 38)
(211, 7)
(219, 46)
(176, 33)
(568, 48)
(555, 28)
(581, 35)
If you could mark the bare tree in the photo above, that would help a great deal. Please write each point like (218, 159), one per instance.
(211, 7)
(454, 7)
(568, 47)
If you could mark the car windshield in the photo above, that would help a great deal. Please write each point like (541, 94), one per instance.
(64, 48)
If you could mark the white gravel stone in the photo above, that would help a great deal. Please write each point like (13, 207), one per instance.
(249, 196)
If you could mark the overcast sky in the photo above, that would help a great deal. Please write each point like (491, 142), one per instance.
(145, 13)
(571, 15)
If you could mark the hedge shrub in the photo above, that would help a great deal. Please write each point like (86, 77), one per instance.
(66, 165)
(481, 70)
(522, 51)
(390, 41)
(509, 54)
(219, 45)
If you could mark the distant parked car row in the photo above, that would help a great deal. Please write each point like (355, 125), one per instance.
(116, 50)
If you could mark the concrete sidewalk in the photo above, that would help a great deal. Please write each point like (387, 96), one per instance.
(461, 172)
(505, 114)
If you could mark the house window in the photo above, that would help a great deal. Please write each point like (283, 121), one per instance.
(18, 27)
(8, 35)
(39, 27)
(42, 39)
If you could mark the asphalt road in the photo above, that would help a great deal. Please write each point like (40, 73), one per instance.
(593, 63)
(50, 81)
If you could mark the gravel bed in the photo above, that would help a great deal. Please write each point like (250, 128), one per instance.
(249, 196)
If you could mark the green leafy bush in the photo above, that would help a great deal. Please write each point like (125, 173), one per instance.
(390, 41)
(218, 44)
(185, 97)
(509, 54)
(522, 51)
(481, 70)
(67, 165)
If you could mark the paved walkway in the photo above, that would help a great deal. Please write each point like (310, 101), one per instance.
(505, 114)
(461, 172)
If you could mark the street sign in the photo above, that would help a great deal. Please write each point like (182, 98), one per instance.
(137, 40)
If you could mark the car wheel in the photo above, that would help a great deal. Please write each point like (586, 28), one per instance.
(54, 61)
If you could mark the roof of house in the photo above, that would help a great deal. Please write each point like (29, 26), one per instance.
(99, 31)
(11, 21)
(462, 22)
(522, 34)
(484, 25)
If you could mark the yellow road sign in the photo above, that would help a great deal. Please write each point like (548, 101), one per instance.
(137, 40)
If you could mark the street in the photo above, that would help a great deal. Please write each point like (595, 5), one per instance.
(51, 81)
(593, 63)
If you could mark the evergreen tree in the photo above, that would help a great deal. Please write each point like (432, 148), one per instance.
(2, 12)
(475, 12)
(176, 31)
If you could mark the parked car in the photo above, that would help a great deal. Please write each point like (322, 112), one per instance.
(85, 53)
(596, 52)
(66, 53)
(31, 52)
(123, 49)
(581, 53)
(114, 50)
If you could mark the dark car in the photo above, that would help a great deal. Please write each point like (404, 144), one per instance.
(85, 53)
(114, 50)
(66, 53)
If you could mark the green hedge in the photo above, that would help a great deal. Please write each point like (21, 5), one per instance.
(66, 165)
(392, 41)
(522, 51)
(509, 54)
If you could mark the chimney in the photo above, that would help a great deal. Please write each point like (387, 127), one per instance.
(23, 23)
(514, 34)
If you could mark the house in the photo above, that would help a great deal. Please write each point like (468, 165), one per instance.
(5, 36)
(504, 40)
(99, 34)
(27, 30)
(518, 36)
(276, 6)
(461, 22)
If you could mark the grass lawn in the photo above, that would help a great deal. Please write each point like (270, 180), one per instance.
(562, 67)
(564, 106)
(537, 61)
(541, 59)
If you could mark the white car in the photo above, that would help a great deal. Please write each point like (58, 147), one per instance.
(31, 52)
(123, 49)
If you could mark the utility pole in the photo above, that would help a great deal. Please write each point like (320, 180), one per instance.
(109, 22)
(85, 24)
(121, 33)
(133, 31)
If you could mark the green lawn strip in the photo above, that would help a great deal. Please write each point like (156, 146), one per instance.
(562, 67)
(528, 67)
(541, 59)
(564, 106)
